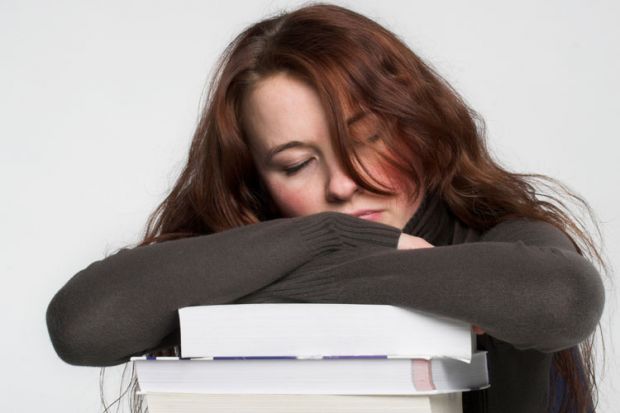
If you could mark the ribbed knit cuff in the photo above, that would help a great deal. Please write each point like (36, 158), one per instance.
(328, 231)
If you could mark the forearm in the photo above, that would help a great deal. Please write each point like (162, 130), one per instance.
(542, 298)
(534, 298)
(127, 303)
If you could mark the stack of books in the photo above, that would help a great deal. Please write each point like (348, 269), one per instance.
(298, 358)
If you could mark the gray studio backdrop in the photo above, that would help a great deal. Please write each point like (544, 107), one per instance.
(99, 100)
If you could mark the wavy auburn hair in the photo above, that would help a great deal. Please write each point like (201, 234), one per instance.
(432, 140)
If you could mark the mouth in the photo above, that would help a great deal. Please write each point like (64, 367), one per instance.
(372, 215)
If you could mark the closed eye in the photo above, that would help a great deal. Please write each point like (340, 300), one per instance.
(296, 168)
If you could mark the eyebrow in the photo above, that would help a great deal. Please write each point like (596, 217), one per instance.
(298, 144)
(288, 145)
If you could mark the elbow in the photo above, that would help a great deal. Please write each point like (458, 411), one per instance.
(74, 339)
(586, 300)
(83, 319)
(576, 308)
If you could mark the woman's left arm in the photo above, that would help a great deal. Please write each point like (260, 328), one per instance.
(523, 283)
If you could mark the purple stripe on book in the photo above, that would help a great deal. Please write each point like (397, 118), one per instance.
(255, 358)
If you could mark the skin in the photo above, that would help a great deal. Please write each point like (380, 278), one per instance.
(308, 179)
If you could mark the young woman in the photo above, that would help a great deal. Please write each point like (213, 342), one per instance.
(332, 165)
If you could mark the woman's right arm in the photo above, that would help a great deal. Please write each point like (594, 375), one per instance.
(126, 304)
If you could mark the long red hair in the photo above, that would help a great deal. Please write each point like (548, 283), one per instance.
(431, 137)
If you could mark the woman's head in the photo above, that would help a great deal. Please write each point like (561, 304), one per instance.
(394, 128)
(288, 136)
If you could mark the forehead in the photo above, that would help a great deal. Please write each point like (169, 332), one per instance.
(282, 108)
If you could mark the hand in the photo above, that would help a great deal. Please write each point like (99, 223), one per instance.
(409, 242)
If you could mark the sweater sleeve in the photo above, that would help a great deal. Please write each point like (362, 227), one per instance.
(126, 303)
(523, 283)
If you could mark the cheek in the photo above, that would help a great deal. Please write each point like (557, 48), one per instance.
(292, 202)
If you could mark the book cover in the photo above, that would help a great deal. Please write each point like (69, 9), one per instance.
(307, 330)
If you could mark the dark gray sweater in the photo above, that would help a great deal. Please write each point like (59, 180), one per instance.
(522, 281)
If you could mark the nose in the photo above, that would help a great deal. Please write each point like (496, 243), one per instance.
(340, 186)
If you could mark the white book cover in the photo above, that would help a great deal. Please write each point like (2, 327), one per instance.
(309, 330)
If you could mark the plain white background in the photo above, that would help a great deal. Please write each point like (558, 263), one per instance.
(99, 99)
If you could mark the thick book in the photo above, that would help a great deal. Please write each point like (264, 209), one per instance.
(309, 330)
(336, 376)
(265, 403)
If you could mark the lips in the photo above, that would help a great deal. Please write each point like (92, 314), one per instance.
(371, 214)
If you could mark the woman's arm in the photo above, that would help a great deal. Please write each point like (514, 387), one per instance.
(523, 283)
(127, 303)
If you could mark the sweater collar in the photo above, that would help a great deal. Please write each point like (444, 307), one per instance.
(432, 221)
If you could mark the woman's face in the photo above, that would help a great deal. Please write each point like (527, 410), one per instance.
(290, 144)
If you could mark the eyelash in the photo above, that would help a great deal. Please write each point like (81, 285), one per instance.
(296, 168)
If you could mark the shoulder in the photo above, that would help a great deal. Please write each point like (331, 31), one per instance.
(529, 231)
